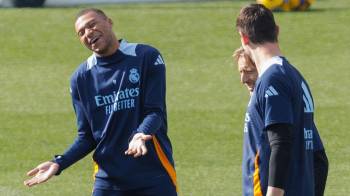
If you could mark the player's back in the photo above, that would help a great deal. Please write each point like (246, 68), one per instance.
(284, 97)
(304, 108)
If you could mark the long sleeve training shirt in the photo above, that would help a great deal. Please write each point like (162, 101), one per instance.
(115, 97)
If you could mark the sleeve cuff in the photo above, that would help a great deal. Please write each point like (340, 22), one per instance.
(58, 159)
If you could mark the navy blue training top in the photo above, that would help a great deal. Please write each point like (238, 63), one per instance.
(281, 95)
(115, 97)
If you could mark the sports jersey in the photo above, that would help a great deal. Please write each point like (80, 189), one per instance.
(115, 97)
(281, 95)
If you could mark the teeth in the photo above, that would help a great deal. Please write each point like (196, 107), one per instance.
(93, 40)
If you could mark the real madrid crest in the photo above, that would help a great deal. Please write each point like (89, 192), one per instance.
(134, 76)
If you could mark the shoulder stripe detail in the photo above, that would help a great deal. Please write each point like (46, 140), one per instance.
(91, 61)
(273, 90)
(128, 48)
(307, 108)
(309, 105)
(159, 61)
(270, 92)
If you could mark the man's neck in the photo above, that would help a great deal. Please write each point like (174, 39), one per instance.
(262, 53)
(111, 50)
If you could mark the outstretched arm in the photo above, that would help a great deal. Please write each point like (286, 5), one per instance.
(41, 173)
(83, 145)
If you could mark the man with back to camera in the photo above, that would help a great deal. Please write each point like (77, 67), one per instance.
(118, 95)
(248, 76)
(280, 136)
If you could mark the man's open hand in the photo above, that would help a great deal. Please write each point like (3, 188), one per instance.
(137, 145)
(41, 173)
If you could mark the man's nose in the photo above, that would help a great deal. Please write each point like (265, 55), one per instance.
(89, 32)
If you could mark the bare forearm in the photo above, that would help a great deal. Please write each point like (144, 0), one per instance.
(274, 191)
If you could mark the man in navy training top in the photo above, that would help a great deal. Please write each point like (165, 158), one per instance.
(118, 95)
(248, 76)
(279, 132)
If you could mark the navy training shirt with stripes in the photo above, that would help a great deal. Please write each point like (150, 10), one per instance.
(115, 97)
(281, 95)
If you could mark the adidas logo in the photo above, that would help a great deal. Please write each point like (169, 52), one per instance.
(270, 92)
(159, 61)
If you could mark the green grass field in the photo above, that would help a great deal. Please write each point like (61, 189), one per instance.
(206, 103)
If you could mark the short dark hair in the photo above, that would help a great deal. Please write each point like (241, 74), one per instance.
(87, 10)
(257, 22)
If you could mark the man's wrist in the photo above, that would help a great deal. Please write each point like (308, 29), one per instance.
(58, 159)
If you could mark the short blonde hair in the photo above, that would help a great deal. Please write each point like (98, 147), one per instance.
(239, 53)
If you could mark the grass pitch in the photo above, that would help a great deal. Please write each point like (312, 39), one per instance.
(206, 104)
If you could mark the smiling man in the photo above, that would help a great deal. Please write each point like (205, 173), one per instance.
(246, 68)
(118, 95)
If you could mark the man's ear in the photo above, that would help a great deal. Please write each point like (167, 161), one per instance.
(244, 39)
(110, 21)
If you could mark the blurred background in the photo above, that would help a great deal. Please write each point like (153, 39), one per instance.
(40, 3)
(206, 103)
